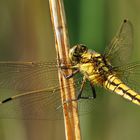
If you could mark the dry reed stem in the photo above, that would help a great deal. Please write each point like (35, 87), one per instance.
(71, 120)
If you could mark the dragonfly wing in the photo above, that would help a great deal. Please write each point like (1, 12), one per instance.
(119, 50)
(44, 104)
(38, 105)
(26, 76)
(130, 75)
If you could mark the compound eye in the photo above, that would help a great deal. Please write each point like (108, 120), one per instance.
(83, 48)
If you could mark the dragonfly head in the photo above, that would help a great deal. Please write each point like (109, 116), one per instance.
(76, 52)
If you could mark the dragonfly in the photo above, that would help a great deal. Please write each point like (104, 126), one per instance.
(35, 88)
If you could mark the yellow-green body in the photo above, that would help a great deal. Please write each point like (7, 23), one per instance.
(98, 70)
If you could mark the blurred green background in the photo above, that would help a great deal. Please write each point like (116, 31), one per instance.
(26, 34)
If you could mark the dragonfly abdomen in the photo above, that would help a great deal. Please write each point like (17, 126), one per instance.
(117, 86)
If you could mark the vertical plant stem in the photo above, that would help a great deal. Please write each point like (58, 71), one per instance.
(71, 120)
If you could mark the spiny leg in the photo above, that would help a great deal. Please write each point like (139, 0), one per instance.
(80, 92)
(73, 72)
(81, 89)
(87, 97)
(82, 85)
(93, 90)
(68, 77)
(71, 75)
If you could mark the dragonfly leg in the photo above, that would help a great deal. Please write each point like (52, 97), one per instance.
(93, 91)
(80, 92)
(66, 67)
(81, 89)
(71, 75)
(73, 72)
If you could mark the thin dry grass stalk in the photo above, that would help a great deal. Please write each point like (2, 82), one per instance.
(72, 125)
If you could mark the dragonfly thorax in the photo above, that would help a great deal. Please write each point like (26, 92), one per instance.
(93, 65)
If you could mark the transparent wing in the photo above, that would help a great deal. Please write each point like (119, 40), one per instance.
(41, 80)
(39, 105)
(25, 76)
(130, 75)
(119, 50)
